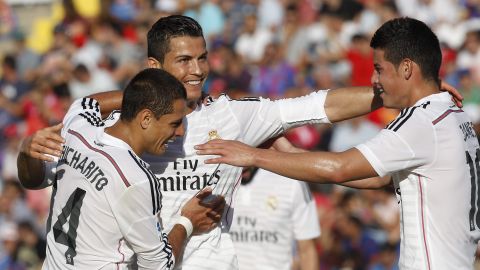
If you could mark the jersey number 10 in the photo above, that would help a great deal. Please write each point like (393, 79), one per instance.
(474, 216)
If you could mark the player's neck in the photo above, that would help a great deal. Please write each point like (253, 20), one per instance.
(191, 106)
(421, 90)
(123, 131)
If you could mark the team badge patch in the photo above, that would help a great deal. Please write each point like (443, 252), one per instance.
(213, 134)
(272, 203)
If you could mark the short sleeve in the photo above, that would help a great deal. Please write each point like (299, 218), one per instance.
(406, 147)
(84, 109)
(305, 218)
(262, 119)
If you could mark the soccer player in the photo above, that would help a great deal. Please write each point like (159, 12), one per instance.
(176, 44)
(430, 150)
(106, 202)
(272, 214)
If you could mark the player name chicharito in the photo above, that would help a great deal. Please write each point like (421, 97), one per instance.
(88, 168)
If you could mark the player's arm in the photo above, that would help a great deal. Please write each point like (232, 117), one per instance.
(319, 167)
(202, 218)
(36, 157)
(369, 183)
(283, 145)
(139, 224)
(350, 102)
(306, 227)
(37, 152)
(346, 103)
(261, 119)
(307, 254)
(108, 101)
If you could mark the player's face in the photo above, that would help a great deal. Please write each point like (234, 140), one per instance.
(187, 61)
(166, 128)
(388, 80)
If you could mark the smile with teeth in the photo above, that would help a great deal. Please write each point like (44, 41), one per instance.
(195, 82)
(171, 140)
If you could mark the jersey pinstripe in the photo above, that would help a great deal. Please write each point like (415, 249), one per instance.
(105, 203)
(183, 173)
(432, 153)
(272, 212)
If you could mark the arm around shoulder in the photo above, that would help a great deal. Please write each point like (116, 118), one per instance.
(35, 161)
(350, 102)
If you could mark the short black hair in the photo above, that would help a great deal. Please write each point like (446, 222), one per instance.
(153, 89)
(10, 61)
(166, 28)
(405, 37)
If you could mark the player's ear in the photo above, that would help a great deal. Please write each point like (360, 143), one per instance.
(407, 68)
(153, 63)
(146, 117)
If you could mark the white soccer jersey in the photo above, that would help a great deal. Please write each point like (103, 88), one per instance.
(183, 173)
(271, 213)
(105, 203)
(433, 155)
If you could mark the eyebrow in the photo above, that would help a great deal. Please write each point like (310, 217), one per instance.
(183, 56)
(178, 121)
(189, 56)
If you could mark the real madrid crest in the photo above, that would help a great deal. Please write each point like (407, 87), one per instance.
(272, 203)
(213, 134)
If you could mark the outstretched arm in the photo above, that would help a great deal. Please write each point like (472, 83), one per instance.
(308, 255)
(318, 167)
(349, 102)
(283, 145)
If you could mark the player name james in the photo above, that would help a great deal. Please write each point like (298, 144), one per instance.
(467, 130)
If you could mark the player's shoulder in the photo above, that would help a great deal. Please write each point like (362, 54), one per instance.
(423, 114)
(133, 177)
(125, 165)
(83, 111)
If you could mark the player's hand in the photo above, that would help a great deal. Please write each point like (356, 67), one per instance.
(44, 142)
(456, 96)
(204, 216)
(231, 152)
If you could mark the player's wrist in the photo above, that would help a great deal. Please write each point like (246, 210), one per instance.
(187, 225)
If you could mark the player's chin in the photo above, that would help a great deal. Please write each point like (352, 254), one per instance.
(389, 103)
(159, 150)
(193, 91)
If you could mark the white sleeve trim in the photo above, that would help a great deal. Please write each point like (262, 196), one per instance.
(309, 109)
(372, 159)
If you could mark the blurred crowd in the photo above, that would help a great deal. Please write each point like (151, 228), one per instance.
(269, 48)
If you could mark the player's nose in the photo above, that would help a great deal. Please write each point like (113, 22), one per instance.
(180, 130)
(374, 78)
